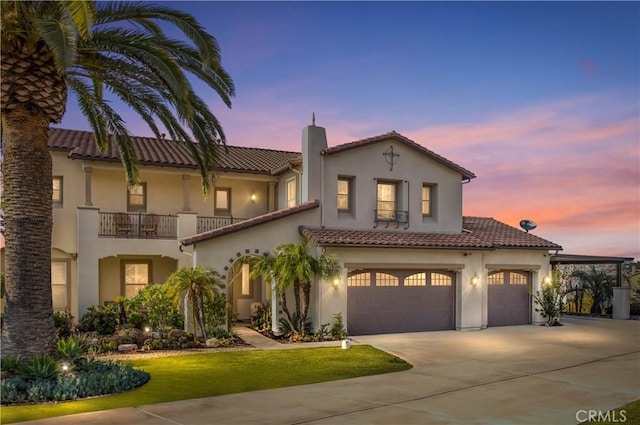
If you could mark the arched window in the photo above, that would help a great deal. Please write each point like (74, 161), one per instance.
(359, 279)
(440, 279)
(496, 278)
(384, 279)
(417, 279)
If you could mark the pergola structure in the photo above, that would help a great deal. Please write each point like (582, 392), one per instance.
(558, 259)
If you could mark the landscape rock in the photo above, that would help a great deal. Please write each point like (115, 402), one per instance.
(127, 348)
(212, 343)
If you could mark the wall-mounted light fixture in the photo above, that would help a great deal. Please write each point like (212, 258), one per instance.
(475, 280)
(547, 279)
(336, 282)
(253, 196)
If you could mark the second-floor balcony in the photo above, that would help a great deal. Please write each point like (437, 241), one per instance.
(138, 225)
(153, 226)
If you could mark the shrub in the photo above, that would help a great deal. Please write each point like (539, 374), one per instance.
(337, 329)
(40, 368)
(261, 319)
(634, 309)
(11, 363)
(549, 300)
(71, 351)
(323, 333)
(177, 339)
(63, 322)
(295, 329)
(156, 307)
(215, 313)
(98, 378)
(99, 318)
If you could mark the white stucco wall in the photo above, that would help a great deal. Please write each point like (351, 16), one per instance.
(411, 170)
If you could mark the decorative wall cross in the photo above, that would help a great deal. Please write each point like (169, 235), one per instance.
(390, 157)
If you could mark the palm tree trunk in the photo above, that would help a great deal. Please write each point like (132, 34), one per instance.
(306, 299)
(28, 324)
(296, 295)
(285, 307)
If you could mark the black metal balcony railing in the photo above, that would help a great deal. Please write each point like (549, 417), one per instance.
(138, 226)
(391, 217)
(209, 223)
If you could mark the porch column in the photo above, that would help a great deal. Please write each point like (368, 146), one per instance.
(87, 186)
(272, 196)
(621, 302)
(186, 180)
(275, 306)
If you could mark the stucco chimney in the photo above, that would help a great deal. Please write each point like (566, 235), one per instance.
(314, 141)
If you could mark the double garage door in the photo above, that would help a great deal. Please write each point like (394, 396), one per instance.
(389, 301)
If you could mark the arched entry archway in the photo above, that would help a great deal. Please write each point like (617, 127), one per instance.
(245, 293)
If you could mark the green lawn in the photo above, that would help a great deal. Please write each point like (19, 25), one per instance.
(205, 375)
(627, 414)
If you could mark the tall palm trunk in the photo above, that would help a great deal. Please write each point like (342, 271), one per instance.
(306, 300)
(28, 323)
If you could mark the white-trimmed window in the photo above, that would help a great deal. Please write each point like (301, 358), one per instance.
(136, 275)
(137, 198)
(344, 194)
(292, 198)
(439, 279)
(222, 201)
(56, 196)
(60, 285)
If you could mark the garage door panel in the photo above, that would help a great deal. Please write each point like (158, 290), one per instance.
(373, 309)
(508, 304)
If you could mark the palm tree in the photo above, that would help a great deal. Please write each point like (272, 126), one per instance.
(598, 283)
(198, 285)
(293, 267)
(51, 47)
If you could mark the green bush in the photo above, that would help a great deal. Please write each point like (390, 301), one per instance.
(98, 378)
(261, 319)
(152, 306)
(71, 350)
(11, 363)
(99, 318)
(39, 368)
(63, 322)
(337, 329)
(292, 329)
(635, 307)
(215, 313)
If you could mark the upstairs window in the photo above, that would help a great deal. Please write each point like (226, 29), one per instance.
(137, 198)
(344, 194)
(427, 200)
(291, 193)
(386, 200)
(56, 197)
(222, 201)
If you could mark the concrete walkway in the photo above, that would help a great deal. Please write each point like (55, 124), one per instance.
(509, 375)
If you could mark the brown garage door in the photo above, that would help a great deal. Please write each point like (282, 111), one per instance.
(389, 301)
(509, 302)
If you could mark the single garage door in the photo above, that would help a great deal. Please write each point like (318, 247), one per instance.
(389, 301)
(509, 302)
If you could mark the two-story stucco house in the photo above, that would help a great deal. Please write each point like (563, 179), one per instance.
(387, 207)
(391, 211)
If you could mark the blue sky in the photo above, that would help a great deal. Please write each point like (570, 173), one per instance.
(541, 100)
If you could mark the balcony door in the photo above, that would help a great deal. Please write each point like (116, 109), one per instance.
(386, 200)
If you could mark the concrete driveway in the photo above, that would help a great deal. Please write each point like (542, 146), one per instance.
(508, 375)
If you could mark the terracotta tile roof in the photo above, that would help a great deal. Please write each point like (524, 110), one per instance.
(481, 233)
(502, 235)
(261, 219)
(466, 174)
(169, 153)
